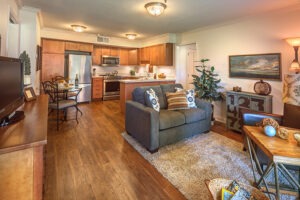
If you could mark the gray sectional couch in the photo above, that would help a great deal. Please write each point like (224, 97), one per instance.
(156, 129)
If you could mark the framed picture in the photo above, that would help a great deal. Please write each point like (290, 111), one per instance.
(29, 94)
(256, 66)
(38, 57)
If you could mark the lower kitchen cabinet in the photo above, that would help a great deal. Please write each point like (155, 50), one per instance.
(237, 101)
(97, 88)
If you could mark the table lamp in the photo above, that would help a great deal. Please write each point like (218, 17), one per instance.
(294, 42)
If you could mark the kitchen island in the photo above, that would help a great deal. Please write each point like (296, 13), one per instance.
(128, 85)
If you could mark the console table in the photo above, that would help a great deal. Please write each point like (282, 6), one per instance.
(22, 153)
(280, 152)
(235, 101)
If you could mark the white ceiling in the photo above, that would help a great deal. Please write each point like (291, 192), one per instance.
(118, 17)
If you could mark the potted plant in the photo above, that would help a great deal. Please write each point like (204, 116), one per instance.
(207, 83)
(24, 57)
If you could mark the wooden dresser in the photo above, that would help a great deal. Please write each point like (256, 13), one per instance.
(235, 101)
(22, 153)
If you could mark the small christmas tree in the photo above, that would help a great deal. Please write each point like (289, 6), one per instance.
(207, 83)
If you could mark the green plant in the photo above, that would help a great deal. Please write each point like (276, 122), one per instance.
(207, 83)
(26, 62)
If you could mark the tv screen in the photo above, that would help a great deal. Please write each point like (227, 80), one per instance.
(11, 85)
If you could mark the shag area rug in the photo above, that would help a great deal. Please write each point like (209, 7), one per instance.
(188, 163)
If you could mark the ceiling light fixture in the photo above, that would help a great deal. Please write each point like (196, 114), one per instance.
(78, 28)
(294, 42)
(156, 8)
(131, 36)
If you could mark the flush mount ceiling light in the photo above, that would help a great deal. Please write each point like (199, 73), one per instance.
(78, 28)
(156, 8)
(131, 36)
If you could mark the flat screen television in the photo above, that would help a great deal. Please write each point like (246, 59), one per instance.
(11, 89)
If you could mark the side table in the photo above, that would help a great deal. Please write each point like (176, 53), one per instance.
(280, 152)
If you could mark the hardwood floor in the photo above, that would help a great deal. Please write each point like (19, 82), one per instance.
(91, 160)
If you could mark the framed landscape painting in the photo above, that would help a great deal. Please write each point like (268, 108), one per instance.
(256, 66)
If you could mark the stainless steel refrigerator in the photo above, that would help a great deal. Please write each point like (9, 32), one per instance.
(80, 64)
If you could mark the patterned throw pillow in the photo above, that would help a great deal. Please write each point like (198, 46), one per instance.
(152, 99)
(190, 96)
(177, 100)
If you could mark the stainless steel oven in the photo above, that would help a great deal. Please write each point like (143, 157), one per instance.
(111, 89)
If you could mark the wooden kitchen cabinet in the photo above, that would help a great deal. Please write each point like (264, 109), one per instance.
(114, 51)
(160, 55)
(105, 51)
(154, 55)
(96, 55)
(124, 56)
(145, 55)
(165, 52)
(52, 65)
(76, 46)
(133, 57)
(53, 46)
(97, 88)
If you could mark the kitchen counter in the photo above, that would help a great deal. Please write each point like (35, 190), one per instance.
(127, 86)
(145, 80)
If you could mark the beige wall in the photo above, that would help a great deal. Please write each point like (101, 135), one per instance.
(254, 35)
(7, 8)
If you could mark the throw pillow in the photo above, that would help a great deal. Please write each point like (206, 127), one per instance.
(152, 99)
(190, 96)
(177, 100)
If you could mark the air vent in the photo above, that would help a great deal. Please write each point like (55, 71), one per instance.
(102, 39)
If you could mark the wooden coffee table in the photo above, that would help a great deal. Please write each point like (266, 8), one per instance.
(280, 152)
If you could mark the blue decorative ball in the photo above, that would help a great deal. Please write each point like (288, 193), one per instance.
(270, 131)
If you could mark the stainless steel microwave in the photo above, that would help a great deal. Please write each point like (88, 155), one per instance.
(110, 61)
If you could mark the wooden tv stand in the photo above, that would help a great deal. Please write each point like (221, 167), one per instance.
(22, 153)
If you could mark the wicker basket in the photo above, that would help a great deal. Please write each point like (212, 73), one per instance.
(215, 186)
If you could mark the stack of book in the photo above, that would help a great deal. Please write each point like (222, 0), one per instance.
(235, 192)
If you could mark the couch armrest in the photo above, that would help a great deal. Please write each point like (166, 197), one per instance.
(205, 106)
(143, 124)
(252, 117)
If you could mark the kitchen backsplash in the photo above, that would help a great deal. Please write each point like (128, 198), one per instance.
(140, 70)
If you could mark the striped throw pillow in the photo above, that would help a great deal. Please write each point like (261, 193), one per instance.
(190, 96)
(177, 100)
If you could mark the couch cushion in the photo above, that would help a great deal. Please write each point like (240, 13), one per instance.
(152, 99)
(177, 100)
(190, 96)
(168, 88)
(138, 95)
(169, 119)
(193, 115)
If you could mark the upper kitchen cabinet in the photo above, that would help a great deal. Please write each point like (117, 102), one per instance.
(53, 46)
(114, 51)
(77, 46)
(133, 57)
(110, 51)
(161, 55)
(105, 51)
(145, 55)
(124, 56)
(165, 54)
(53, 59)
(96, 55)
(52, 65)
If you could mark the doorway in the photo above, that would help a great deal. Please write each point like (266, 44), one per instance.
(190, 65)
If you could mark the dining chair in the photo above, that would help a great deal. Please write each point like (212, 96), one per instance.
(58, 101)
